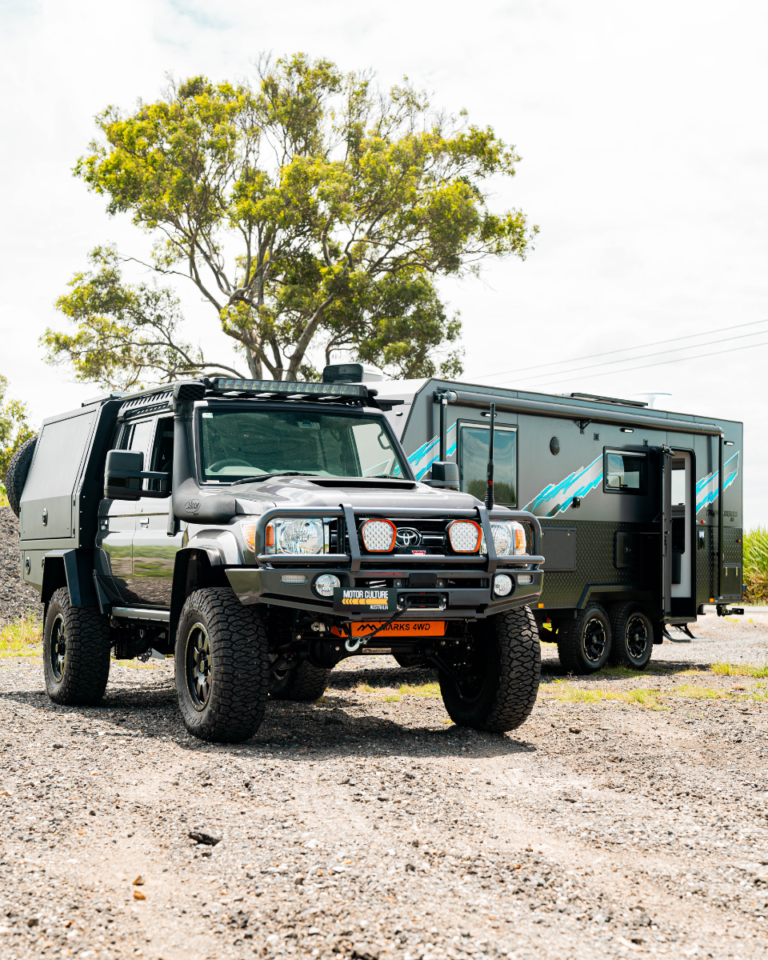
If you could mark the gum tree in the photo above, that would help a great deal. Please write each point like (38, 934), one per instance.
(310, 210)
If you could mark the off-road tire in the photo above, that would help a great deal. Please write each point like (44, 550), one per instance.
(630, 625)
(16, 475)
(511, 670)
(577, 645)
(408, 660)
(302, 683)
(75, 652)
(237, 669)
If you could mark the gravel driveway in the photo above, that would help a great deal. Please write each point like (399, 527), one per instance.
(628, 816)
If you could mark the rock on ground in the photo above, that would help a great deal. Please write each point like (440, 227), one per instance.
(17, 598)
(366, 825)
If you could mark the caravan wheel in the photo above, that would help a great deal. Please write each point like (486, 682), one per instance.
(584, 644)
(632, 643)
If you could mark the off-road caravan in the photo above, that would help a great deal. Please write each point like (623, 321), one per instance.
(641, 509)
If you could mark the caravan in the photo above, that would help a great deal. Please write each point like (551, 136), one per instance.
(641, 509)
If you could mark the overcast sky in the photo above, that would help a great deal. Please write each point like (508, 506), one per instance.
(644, 138)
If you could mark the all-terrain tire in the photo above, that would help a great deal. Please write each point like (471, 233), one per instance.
(505, 690)
(301, 683)
(631, 636)
(584, 644)
(16, 475)
(221, 666)
(75, 652)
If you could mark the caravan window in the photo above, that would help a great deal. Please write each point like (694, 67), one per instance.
(625, 472)
(473, 462)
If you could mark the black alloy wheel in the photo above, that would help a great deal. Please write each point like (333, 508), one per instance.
(57, 652)
(633, 636)
(594, 640)
(199, 666)
(584, 643)
(637, 636)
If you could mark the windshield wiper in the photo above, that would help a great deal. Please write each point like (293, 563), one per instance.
(269, 476)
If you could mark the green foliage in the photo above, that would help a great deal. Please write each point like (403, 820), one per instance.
(310, 210)
(756, 565)
(14, 430)
(124, 333)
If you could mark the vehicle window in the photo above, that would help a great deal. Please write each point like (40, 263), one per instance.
(473, 462)
(140, 438)
(235, 444)
(162, 452)
(625, 472)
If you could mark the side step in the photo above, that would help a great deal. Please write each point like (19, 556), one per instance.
(141, 613)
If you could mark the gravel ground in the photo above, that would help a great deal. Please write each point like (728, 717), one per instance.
(17, 598)
(369, 826)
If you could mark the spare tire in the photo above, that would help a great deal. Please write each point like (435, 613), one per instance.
(16, 476)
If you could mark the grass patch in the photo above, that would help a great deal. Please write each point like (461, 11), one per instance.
(364, 688)
(393, 698)
(22, 638)
(621, 672)
(740, 670)
(3, 497)
(647, 698)
(691, 691)
(421, 690)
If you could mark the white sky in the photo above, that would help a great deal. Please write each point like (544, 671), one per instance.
(644, 137)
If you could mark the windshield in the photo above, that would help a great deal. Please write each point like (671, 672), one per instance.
(239, 444)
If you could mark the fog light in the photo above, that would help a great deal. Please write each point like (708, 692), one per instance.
(326, 584)
(293, 578)
(525, 578)
(502, 585)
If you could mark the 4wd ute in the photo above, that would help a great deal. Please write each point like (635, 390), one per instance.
(261, 532)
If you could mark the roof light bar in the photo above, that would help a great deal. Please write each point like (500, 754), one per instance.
(289, 387)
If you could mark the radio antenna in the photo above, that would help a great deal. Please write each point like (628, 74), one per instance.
(489, 482)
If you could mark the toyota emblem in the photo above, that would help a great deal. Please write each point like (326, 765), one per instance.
(408, 537)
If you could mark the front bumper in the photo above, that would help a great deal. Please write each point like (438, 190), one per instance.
(426, 603)
(436, 587)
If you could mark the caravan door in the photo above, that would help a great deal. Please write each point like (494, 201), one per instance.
(666, 532)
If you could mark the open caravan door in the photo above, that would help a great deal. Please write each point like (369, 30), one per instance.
(665, 544)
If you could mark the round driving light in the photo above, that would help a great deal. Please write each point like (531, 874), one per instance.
(378, 535)
(465, 536)
(502, 585)
(325, 584)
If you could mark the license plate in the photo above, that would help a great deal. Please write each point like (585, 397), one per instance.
(400, 628)
(361, 601)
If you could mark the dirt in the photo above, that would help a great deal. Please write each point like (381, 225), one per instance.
(367, 826)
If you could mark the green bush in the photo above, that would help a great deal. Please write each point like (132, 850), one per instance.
(756, 565)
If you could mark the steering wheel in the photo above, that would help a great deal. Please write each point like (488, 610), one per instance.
(231, 462)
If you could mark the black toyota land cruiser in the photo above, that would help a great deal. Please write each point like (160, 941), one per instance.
(261, 532)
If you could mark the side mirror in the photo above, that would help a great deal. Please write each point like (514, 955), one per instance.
(124, 476)
(445, 475)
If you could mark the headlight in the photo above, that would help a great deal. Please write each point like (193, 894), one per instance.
(465, 536)
(296, 536)
(508, 538)
(378, 535)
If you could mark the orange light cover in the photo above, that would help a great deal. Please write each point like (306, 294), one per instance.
(465, 536)
(269, 536)
(249, 535)
(378, 535)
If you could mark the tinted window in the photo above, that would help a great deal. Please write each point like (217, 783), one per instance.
(140, 438)
(473, 462)
(625, 472)
(236, 444)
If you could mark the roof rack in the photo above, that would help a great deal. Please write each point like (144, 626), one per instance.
(596, 396)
